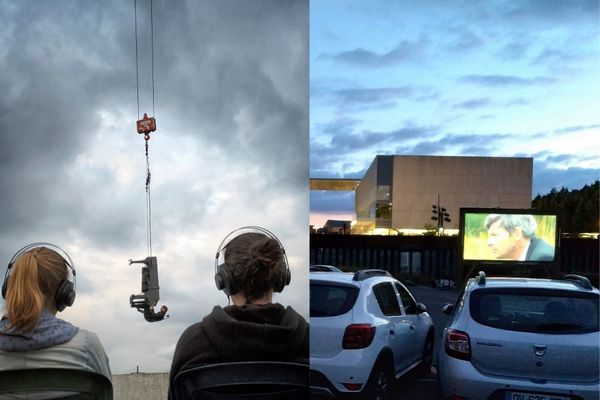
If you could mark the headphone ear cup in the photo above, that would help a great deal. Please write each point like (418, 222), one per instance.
(224, 280)
(65, 295)
(4, 288)
(285, 280)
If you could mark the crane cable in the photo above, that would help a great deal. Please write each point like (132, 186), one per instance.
(146, 134)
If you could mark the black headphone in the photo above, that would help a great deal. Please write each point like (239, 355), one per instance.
(65, 293)
(223, 276)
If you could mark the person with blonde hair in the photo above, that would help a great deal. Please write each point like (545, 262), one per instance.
(36, 286)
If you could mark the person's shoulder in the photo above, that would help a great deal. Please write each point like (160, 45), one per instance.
(198, 327)
(88, 337)
(291, 314)
(542, 245)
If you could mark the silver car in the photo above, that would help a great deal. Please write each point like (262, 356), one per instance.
(522, 339)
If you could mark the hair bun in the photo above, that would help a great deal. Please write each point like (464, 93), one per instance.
(266, 252)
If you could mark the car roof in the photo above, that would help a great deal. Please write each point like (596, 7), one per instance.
(324, 268)
(508, 282)
(348, 278)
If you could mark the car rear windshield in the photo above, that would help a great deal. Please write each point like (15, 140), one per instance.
(328, 299)
(536, 310)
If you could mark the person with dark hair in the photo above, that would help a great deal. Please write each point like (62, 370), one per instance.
(253, 328)
(512, 237)
(35, 288)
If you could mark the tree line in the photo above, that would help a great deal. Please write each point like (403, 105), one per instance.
(577, 210)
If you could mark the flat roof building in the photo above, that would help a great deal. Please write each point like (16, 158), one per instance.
(397, 192)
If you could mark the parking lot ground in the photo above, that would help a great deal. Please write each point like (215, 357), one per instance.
(411, 386)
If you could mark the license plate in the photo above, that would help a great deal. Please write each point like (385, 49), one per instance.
(533, 396)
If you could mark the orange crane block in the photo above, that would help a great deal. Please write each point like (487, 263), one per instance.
(146, 125)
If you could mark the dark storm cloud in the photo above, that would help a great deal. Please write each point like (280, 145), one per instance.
(403, 52)
(210, 80)
(221, 75)
(54, 80)
(232, 113)
(505, 80)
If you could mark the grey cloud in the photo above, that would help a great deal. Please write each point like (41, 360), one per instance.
(465, 41)
(375, 95)
(517, 101)
(547, 158)
(383, 97)
(405, 51)
(423, 148)
(560, 158)
(546, 178)
(556, 11)
(565, 130)
(577, 128)
(473, 104)
(369, 139)
(513, 51)
(327, 201)
(451, 143)
(505, 80)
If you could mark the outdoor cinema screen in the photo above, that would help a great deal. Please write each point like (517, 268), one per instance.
(496, 235)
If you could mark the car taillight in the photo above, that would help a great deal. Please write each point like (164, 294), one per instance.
(358, 336)
(458, 344)
(353, 386)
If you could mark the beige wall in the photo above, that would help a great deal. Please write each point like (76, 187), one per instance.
(141, 386)
(461, 182)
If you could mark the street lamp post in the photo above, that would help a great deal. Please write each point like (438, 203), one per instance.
(440, 215)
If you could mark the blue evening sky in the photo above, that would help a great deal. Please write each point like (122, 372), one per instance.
(494, 78)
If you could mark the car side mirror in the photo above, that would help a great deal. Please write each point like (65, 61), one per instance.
(447, 309)
(421, 308)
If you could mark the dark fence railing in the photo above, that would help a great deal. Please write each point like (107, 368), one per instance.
(428, 258)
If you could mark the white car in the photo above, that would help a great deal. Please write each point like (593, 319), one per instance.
(522, 339)
(366, 330)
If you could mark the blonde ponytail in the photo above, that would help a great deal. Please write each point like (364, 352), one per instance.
(33, 280)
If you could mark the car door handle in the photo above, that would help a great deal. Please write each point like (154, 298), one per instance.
(412, 326)
(392, 332)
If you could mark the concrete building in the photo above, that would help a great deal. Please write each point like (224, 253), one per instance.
(397, 192)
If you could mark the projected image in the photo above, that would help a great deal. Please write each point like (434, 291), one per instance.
(515, 237)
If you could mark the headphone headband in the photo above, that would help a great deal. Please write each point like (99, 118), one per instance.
(251, 228)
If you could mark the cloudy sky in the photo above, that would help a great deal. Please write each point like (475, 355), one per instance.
(231, 149)
(471, 78)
